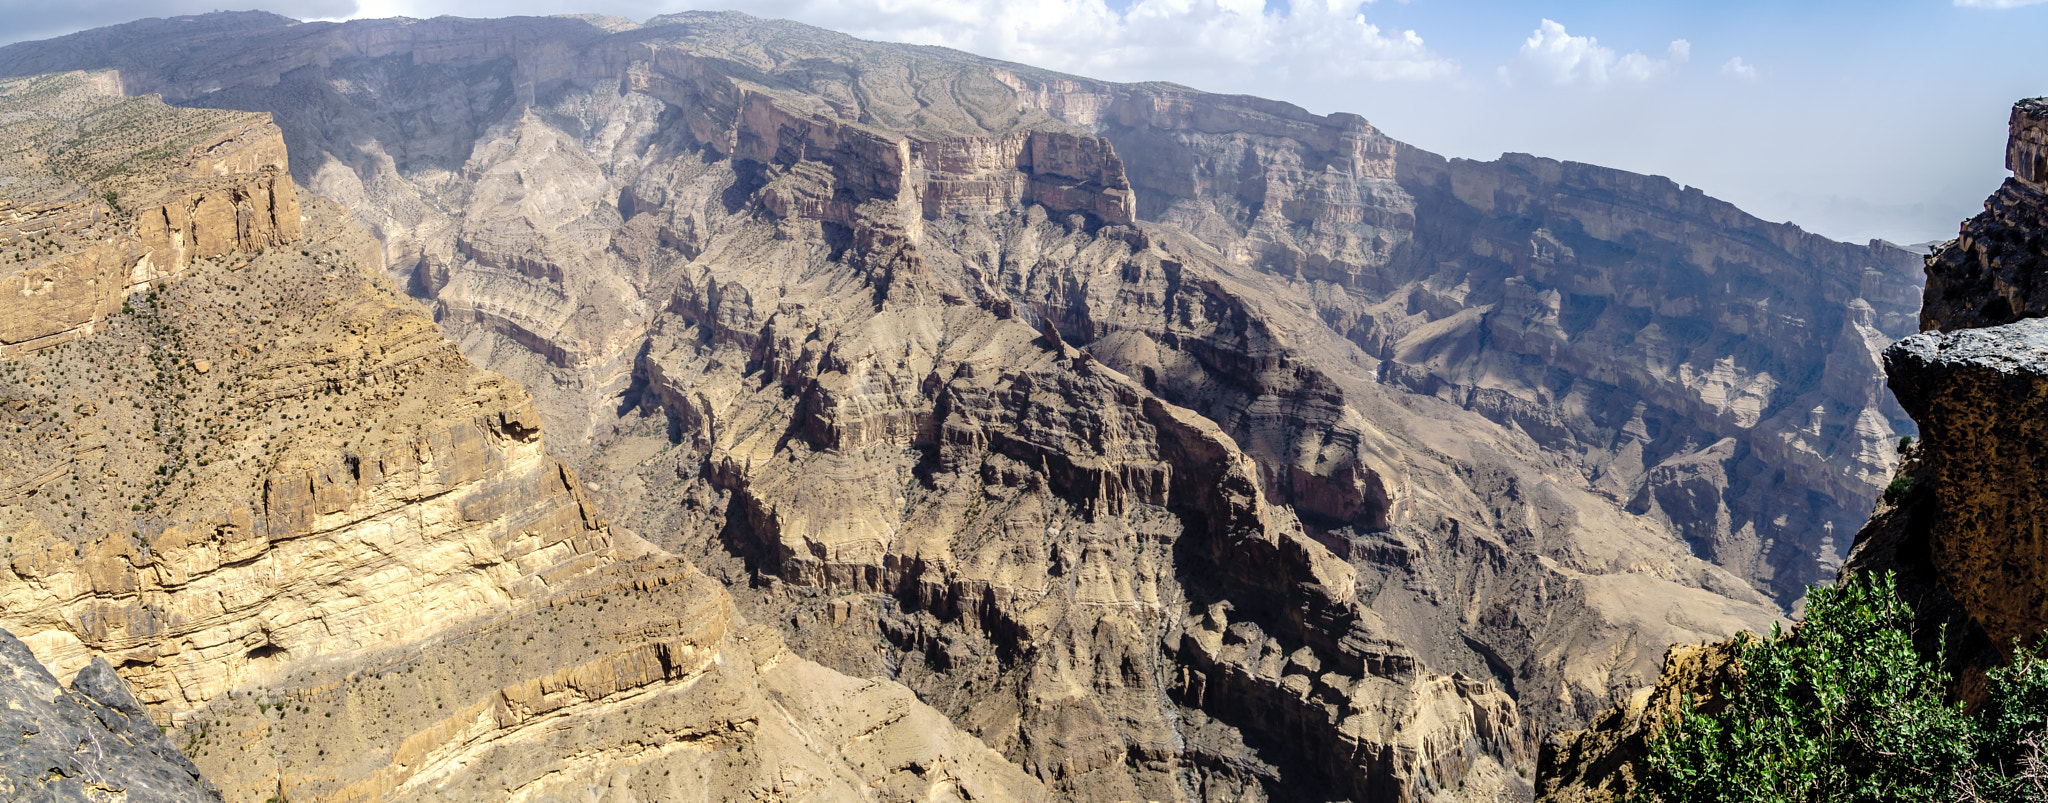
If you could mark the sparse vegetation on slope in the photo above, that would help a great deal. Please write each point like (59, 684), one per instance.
(1842, 707)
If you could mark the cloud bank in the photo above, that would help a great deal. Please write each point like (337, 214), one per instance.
(1223, 38)
(1553, 55)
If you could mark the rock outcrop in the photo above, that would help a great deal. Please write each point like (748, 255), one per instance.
(1976, 393)
(1991, 273)
(90, 742)
(265, 476)
(109, 194)
(1176, 446)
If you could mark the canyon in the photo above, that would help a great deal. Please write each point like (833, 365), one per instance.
(259, 483)
(1085, 440)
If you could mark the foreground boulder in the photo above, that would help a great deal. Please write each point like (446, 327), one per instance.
(90, 742)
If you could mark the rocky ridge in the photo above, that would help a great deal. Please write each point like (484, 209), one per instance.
(210, 183)
(260, 484)
(816, 277)
(1511, 288)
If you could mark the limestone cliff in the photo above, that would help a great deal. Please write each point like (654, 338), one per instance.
(264, 475)
(106, 194)
(1178, 446)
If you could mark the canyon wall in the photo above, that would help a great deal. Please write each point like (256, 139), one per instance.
(1174, 445)
(262, 481)
(215, 185)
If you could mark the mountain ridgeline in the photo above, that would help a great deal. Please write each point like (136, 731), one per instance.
(1164, 445)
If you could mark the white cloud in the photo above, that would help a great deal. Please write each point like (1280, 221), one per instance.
(1228, 42)
(1221, 45)
(1996, 3)
(1737, 68)
(1553, 55)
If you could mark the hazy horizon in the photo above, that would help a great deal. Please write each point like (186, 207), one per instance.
(1854, 120)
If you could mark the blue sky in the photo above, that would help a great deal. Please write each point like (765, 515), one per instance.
(1880, 118)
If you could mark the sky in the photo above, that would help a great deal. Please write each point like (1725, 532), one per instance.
(1857, 119)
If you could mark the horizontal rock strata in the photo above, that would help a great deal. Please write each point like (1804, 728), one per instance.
(72, 255)
(1177, 446)
(267, 476)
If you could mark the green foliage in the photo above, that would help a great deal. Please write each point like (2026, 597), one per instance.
(2011, 764)
(1897, 489)
(1842, 708)
(1905, 443)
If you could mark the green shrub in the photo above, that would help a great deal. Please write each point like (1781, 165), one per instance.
(1843, 708)
(1897, 489)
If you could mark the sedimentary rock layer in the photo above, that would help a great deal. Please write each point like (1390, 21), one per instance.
(113, 193)
(265, 476)
(1177, 446)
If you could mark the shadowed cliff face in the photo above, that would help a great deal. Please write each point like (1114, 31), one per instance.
(1178, 446)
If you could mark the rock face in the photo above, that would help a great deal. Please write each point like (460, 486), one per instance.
(213, 183)
(262, 481)
(1976, 392)
(1991, 273)
(92, 741)
(1594, 765)
(1176, 446)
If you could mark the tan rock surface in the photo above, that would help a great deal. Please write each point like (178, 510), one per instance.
(268, 477)
(999, 382)
(107, 194)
